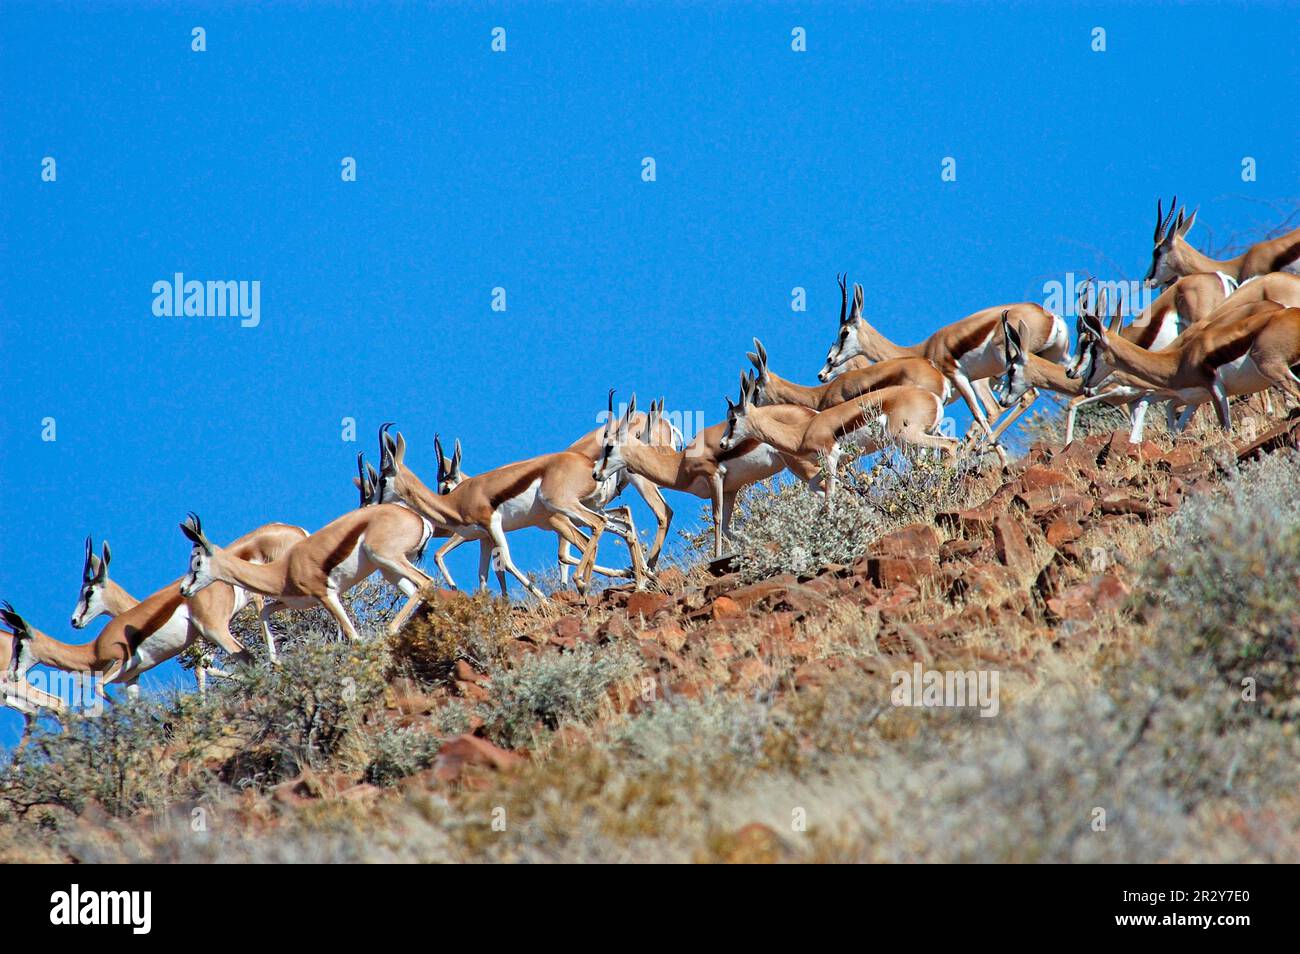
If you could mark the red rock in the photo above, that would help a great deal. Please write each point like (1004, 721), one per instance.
(961, 550)
(891, 572)
(1062, 531)
(1084, 601)
(724, 607)
(467, 673)
(747, 672)
(1119, 503)
(670, 635)
(916, 539)
(567, 627)
(1011, 544)
(1044, 478)
(646, 605)
(466, 751)
(472, 690)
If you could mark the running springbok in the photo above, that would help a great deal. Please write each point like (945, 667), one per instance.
(1243, 354)
(164, 624)
(451, 474)
(965, 351)
(703, 468)
(869, 422)
(892, 372)
(15, 659)
(320, 568)
(547, 491)
(1172, 256)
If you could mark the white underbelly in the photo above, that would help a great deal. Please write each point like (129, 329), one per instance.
(162, 644)
(758, 464)
(987, 360)
(525, 509)
(352, 569)
(1243, 376)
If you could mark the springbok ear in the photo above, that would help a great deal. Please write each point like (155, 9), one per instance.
(857, 303)
(399, 450)
(1187, 225)
(437, 450)
(631, 407)
(385, 447)
(731, 406)
(1094, 327)
(11, 619)
(455, 457)
(101, 571)
(1011, 336)
(1117, 322)
(193, 530)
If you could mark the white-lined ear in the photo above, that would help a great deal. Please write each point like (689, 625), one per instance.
(455, 458)
(1186, 226)
(857, 303)
(399, 450)
(104, 561)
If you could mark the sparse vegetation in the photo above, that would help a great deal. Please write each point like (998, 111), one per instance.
(767, 732)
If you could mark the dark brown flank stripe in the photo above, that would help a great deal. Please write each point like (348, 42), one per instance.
(1149, 333)
(516, 487)
(976, 336)
(160, 612)
(344, 547)
(1286, 257)
(1228, 352)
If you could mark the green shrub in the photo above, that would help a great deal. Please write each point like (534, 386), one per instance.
(553, 688)
(1227, 584)
(399, 752)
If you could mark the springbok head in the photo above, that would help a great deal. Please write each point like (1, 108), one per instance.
(94, 581)
(1165, 264)
(24, 656)
(450, 473)
(739, 426)
(199, 573)
(846, 344)
(618, 434)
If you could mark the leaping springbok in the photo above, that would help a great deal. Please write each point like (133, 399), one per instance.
(1244, 354)
(162, 625)
(1172, 256)
(965, 351)
(320, 568)
(901, 413)
(892, 372)
(547, 491)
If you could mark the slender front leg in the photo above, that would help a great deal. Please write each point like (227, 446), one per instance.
(964, 388)
(264, 617)
(330, 600)
(1023, 405)
(503, 554)
(654, 499)
(438, 558)
(715, 484)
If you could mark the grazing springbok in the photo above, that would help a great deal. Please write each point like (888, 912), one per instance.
(965, 351)
(547, 491)
(870, 421)
(164, 624)
(892, 372)
(702, 468)
(1172, 256)
(1254, 349)
(320, 568)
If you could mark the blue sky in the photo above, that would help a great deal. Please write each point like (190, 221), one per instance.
(522, 170)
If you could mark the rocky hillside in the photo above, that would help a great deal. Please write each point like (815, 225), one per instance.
(1138, 605)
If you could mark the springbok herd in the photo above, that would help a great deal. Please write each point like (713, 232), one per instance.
(1218, 329)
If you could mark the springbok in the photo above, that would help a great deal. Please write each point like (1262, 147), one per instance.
(1172, 256)
(546, 491)
(869, 422)
(702, 468)
(164, 624)
(1243, 354)
(15, 659)
(965, 351)
(451, 474)
(773, 389)
(320, 568)
(99, 594)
